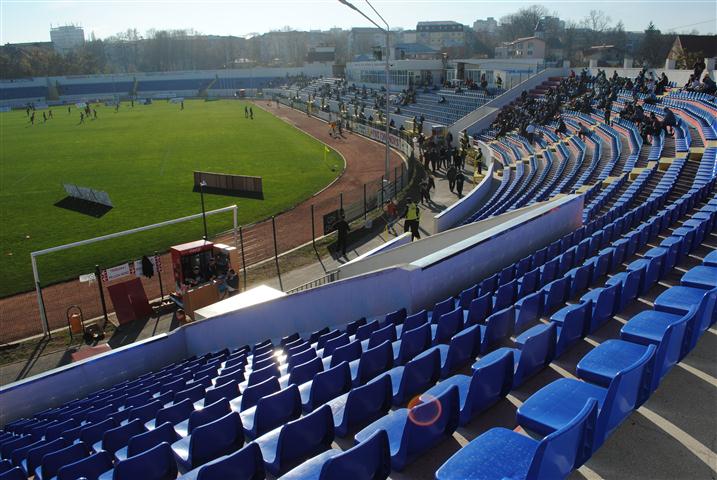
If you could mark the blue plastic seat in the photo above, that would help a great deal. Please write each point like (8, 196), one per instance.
(710, 259)
(680, 300)
(461, 350)
(365, 331)
(500, 453)
(245, 464)
(156, 463)
(300, 358)
(396, 317)
(528, 311)
(325, 386)
(497, 328)
(272, 411)
(349, 352)
(491, 380)
(51, 462)
(701, 276)
(602, 363)
(335, 343)
(205, 415)
(414, 377)
(549, 272)
(604, 300)
(352, 327)
(629, 282)
(89, 467)
(314, 337)
(467, 296)
(304, 372)
(537, 350)
(144, 441)
(228, 390)
(208, 442)
(440, 308)
(555, 405)
(369, 460)
(116, 438)
(15, 473)
(505, 295)
(193, 394)
(173, 414)
(92, 433)
(411, 432)
(55, 430)
(372, 362)
(479, 309)
(361, 405)
(413, 321)
(258, 376)
(447, 325)
(34, 456)
(411, 344)
(252, 394)
(289, 445)
(529, 282)
(385, 334)
(554, 293)
(571, 323)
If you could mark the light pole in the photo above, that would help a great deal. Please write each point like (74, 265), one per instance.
(387, 83)
(203, 184)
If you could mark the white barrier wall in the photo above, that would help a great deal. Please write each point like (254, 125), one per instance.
(55, 387)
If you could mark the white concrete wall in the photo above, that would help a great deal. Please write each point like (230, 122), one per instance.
(63, 384)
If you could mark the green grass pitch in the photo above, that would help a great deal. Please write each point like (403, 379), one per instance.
(144, 158)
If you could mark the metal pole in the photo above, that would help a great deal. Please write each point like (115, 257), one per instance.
(364, 202)
(102, 294)
(341, 201)
(159, 276)
(395, 180)
(236, 211)
(276, 252)
(243, 260)
(204, 215)
(40, 302)
(313, 230)
(388, 113)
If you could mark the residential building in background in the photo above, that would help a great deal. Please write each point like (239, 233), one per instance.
(529, 47)
(489, 25)
(441, 34)
(66, 38)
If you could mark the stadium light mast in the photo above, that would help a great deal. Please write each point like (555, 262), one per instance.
(387, 31)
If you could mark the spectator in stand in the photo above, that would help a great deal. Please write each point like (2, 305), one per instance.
(483, 82)
(699, 67)
(708, 85)
(562, 128)
(608, 112)
(498, 82)
(460, 178)
(669, 120)
(583, 131)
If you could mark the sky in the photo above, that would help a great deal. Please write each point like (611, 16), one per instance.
(30, 20)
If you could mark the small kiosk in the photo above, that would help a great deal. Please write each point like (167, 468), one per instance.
(200, 268)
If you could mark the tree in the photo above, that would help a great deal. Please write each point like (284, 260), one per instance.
(654, 47)
(597, 21)
(522, 23)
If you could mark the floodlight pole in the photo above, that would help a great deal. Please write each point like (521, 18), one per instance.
(387, 83)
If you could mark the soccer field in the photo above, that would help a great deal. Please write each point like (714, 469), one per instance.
(143, 157)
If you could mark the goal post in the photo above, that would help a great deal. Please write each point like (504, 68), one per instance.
(67, 246)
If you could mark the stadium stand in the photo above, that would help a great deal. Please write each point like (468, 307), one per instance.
(276, 406)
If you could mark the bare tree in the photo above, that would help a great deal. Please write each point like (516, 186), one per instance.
(597, 21)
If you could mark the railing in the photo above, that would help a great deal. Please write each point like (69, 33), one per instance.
(328, 278)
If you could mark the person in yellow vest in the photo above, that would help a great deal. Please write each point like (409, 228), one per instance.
(413, 217)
